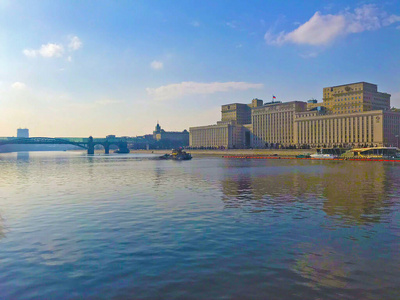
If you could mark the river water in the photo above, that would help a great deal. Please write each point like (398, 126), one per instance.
(132, 227)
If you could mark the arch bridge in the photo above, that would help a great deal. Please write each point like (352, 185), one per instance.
(85, 143)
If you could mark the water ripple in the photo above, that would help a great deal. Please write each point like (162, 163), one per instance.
(130, 226)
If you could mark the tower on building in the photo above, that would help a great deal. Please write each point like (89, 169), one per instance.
(23, 132)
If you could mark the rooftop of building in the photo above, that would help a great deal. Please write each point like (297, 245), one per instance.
(236, 103)
(273, 102)
(349, 84)
(279, 103)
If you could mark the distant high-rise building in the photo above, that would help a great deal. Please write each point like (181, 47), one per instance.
(22, 132)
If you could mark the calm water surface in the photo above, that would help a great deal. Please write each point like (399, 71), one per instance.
(128, 226)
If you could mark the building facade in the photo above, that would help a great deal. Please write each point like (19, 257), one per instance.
(355, 97)
(160, 134)
(238, 112)
(222, 135)
(273, 123)
(316, 129)
(23, 133)
(231, 132)
(353, 114)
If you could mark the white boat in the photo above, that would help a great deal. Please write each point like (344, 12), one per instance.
(324, 156)
(327, 153)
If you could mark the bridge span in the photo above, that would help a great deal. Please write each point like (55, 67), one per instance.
(85, 143)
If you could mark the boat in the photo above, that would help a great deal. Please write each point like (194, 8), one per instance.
(375, 153)
(177, 154)
(328, 153)
(122, 151)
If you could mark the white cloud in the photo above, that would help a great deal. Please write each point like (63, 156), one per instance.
(156, 65)
(54, 50)
(195, 24)
(324, 29)
(29, 52)
(48, 50)
(391, 19)
(178, 90)
(367, 17)
(51, 50)
(18, 86)
(75, 43)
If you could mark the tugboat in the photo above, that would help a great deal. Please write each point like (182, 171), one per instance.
(122, 150)
(177, 154)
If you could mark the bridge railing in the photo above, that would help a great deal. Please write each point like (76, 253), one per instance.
(67, 139)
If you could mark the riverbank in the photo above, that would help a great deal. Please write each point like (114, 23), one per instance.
(237, 152)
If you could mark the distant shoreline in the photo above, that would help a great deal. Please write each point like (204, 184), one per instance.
(204, 152)
(235, 152)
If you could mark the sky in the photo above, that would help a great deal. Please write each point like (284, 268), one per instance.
(81, 68)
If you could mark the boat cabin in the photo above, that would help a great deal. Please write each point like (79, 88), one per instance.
(331, 151)
(376, 152)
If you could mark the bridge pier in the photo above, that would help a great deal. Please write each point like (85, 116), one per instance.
(90, 144)
(123, 147)
(106, 146)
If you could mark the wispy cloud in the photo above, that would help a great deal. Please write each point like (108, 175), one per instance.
(395, 99)
(50, 50)
(324, 29)
(75, 43)
(231, 24)
(18, 86)
(309, 55)
(156, 65)
(179, 90)
(195, 24)
(29, 52)
(108, 102)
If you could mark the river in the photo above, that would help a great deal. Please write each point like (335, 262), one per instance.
(133, 227)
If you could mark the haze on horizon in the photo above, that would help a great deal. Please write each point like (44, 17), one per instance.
(116, 67)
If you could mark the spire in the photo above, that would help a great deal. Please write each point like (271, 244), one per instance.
(158, 127)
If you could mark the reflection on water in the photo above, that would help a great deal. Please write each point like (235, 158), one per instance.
(323, 268)
(357, 193)
(23, 156)
(2, 234)
(130, 226)
(353, 192)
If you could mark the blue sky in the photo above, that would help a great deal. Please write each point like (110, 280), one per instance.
(80, 68)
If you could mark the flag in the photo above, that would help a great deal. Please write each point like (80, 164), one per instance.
(273, 97)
